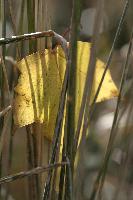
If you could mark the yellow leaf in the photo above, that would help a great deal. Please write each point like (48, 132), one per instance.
(39, 86)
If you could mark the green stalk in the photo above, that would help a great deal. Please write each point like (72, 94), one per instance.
(72, 78)
(31, 23)
(76, 12)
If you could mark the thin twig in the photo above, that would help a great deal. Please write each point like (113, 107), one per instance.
(10, 59)
(4, 111)
(31, 36)
(31, 172)
(28, 36)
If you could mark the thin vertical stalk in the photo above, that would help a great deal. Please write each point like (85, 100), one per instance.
(63, 169)
(81, 114)
(57, 133)
(124, 168)
(31, 23)
(32, 181)
(42, 21)
(3, 134)
(58, 124)
(2, 93)
(40, 25)
(5, 77)
(5, 142)
(92, 63)
(122, 18)
(88, 91)
(35, 139)
(101, 176)
(71, 99)
(21, 26)
(91, 70)
(62, 178)
(13, 23)
(5, 151)
(38, 145)
(56, 171)
(3, 10)
(3, 16)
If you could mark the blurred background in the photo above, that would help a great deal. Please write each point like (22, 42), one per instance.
(23, 16)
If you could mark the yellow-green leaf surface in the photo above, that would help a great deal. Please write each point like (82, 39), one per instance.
(39, 86)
